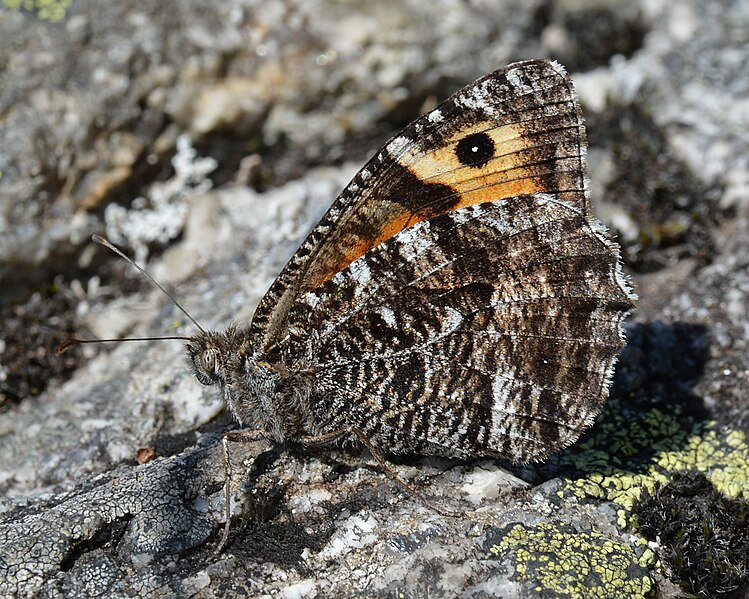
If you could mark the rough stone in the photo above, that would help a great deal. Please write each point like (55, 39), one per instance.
(93, 107)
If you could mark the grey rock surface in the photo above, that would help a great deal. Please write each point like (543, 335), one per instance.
(219, 117)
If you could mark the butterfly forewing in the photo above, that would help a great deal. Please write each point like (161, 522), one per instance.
(516, 131)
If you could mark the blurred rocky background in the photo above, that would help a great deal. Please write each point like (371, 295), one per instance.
(206, 139)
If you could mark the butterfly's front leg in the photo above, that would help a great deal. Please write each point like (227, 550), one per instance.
(240, 436)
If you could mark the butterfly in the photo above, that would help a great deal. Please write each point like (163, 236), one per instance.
(457, 299)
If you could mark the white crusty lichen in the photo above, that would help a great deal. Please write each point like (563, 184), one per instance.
(161, 215)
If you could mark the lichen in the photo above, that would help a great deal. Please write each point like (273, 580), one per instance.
(45, 10)
(646, 449)
(631, 455)
(555, 560)
(162, 215)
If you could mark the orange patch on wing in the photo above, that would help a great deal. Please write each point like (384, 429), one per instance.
(398, 220)
(507, 174)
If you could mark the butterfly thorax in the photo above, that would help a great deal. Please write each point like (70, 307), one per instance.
(259, 393)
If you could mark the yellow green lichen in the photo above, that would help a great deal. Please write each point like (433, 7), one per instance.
(574, 564)
(645, 450)
(46, 10)
(628, 456)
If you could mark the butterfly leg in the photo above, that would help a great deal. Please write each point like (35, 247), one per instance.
(364, 440)
(241, 436)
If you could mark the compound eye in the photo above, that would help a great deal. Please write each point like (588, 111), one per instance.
(208, 361)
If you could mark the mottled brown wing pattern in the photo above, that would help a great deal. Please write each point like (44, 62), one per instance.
(458, 298)
(516, 131)
(492, 329)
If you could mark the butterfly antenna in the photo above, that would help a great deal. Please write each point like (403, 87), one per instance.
(68, 343)
(107, 244)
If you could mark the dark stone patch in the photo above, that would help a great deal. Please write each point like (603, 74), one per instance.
(704, 535)
(673, 210)
(591, 32)
(31, 330)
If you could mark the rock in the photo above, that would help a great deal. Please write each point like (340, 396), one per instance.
(94, 107)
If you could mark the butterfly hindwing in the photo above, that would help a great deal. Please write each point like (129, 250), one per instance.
(492, 329)
(516, 131)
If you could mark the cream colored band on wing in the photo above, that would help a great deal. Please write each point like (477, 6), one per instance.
(507, 174)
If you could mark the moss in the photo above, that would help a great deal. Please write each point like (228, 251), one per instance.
(704, 535)
(556, 560)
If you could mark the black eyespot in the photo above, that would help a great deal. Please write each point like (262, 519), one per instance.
(475, 150)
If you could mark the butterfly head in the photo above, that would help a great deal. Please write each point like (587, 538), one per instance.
(246, 383)
(212, 355)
